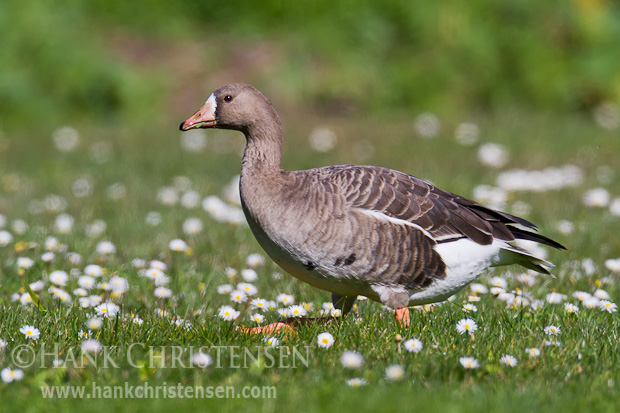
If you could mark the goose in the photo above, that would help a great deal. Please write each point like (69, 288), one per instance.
(361, 230)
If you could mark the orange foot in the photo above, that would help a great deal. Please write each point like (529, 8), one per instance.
(268, 329)
(402, 316)
(287, 326)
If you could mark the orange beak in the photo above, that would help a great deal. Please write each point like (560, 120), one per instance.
(204, 118)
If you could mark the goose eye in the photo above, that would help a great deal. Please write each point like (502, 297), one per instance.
(228, 98)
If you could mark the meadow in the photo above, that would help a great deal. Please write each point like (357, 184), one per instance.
(125, 260)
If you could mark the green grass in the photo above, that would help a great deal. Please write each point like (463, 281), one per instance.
(579, 374)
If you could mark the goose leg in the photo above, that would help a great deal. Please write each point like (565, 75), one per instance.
(402, 316)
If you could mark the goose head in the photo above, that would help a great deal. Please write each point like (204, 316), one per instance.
(237, 106)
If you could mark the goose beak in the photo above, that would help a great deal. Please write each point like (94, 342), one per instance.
(204, 118)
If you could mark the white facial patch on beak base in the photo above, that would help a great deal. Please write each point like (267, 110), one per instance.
(213, 103)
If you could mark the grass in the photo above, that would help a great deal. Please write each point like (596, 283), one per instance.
(580, 373)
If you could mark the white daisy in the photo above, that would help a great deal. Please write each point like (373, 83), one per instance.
(93, 270)
(162, 292)
(601, 294)
(498, 282)
(86, 281)
(413, 345)
(351, 359)
(8, 375)
(357, 382)
(249, 275)
(466, 325)
(177, 245)
(508, 360)
(248, 288)
(106, 248)
(94, 323)
(258, 304)
(30, 332)
(395, 372)
(91, 346)
(469, 362)
(254, 260)
(257, 318)
(555, 298)
(107, 310)
(571, 308)
(238, 296)
(325, 340)
(581, 295)
(533, 352)
(297, 311)
(608, 306)
(224, 289)
(478, 288)
(228, 313)
(469, 308)
(552, 330)
(285, 299)
(201, 360)
(272, 341)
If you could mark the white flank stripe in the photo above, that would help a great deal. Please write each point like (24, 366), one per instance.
(381, 216)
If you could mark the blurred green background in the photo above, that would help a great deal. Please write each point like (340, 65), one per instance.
(145, 61)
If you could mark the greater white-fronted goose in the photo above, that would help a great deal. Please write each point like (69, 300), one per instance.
(361, 230)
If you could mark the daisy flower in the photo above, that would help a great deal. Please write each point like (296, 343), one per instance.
(591, 302)
(473, 298)
(106, 248)
(107, 309)
(5, 238)
(470, 308)
(8, 375)
(158, 265)
(395, 372)
(3, 344)
(325, 340)
(297, 311)
(137, 320)
(581, 295)
(24, 262)
(258, 304)
(254, 260)
(86, 281)
(94, 323)
(413, 345)
(257, 318)
(230, 272)
(552, 330)
(497, 290)
(608, 306)
(571, 308)
(224, 289)
(508, 360)
(478, 288)
(469, 362)
(91, 346)
(555, 298)
(177, 245)
(283, 312)
(25, 299)
(533, 352)
(119, 284)
(328, 306)
(93, 270)
(466, 325)
(238, 296)
(228, 313)
(162, 292)
(249, 275)
(601, 294)
(285, 299)
(272, 341)
(498, 282)
(336, 312)
(201, 360)
(248, 288)
(357, 382)
(351, 359)
(30, 332)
